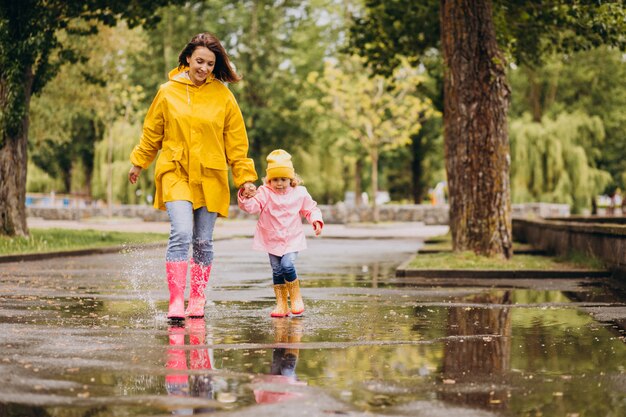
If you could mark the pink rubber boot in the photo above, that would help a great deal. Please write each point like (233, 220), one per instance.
(176, 282)
(197, 300)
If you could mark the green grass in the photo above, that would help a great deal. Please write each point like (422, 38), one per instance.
(469, 260)
(444, 243)
(52, 240)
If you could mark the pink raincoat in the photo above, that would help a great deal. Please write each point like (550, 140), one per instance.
(279, 229)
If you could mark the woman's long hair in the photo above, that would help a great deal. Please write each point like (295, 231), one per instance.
(223, 70)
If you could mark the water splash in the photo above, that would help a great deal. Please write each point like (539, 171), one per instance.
(139, 272)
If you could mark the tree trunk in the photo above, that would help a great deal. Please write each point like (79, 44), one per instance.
(417, 190)
(13, 164)
(109, 172)
(476, 98)
(358, 187)
(375, 211)
(534, 94)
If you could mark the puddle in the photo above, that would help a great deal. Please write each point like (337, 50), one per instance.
(89, 337)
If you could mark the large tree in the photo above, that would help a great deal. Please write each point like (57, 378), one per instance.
(475, 37)
(31, 52)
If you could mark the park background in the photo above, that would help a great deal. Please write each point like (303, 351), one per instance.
(306, 89)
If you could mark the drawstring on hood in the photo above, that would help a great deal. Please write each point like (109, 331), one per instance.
(181, 75)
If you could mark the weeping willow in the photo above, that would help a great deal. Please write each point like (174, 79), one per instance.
(555, 161)
(124, 137)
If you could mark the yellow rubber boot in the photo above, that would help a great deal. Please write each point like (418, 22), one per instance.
(297, 305)
(282, 308)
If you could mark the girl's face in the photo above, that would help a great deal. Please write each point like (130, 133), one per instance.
(201, 64)
(280, 184)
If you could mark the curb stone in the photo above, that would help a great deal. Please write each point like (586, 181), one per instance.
(24, 257)
(403, 271)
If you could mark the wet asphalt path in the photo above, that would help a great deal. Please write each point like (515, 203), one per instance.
(87, 336)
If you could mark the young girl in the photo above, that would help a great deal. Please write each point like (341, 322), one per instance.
(282, 203)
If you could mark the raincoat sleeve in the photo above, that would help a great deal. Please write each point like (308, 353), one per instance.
(236, 145)
(152, 136)
(254, 204)
(309, 209)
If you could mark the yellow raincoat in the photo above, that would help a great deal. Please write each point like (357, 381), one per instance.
(200, 132)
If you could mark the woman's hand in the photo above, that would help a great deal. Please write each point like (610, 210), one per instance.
(248, 190)
(133, 174)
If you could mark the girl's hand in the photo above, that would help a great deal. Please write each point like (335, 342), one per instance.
(248, 190)
(133, 174)
(317, 228)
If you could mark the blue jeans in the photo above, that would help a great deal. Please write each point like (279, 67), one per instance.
(283, 268)
(189, 226)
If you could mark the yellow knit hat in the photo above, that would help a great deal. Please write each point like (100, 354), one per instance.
(279, 165)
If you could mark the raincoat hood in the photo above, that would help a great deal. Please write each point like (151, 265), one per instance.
(181, 75)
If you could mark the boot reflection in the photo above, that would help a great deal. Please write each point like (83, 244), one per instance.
(200, 358)
(176, 383)
(284, 360)
(179, 382)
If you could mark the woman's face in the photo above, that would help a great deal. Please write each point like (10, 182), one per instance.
(201, 64)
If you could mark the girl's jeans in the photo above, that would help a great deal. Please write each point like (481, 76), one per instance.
(283, 268)
(189, 226)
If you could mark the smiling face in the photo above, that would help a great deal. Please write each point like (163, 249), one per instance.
(201, 65)
(280, 184)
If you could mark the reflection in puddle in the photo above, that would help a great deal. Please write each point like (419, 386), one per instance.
(276, 385)
(177, 381)
(476, 362)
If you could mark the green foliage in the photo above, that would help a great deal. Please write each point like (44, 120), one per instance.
(550, 160)
(39, 181)
(526, 32)
(79, 106)
(30, 35)
(388, 31)
(321, 171)
(52, 240)
(378, 114)
(590, 82)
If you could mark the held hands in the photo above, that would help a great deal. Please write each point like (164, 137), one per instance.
(133, 174)
(317, 228)
(248, 190)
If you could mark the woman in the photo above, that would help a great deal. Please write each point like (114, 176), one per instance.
(196, 123)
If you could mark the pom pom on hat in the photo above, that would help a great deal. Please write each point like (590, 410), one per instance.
(279, 165)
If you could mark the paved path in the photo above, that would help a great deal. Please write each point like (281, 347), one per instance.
(87, 336)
